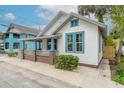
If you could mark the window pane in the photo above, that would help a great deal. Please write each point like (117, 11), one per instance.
(79, 46)
(6, 45)
(74, 22)
(78, 37)
(69, 43)
(16, 35)
(16, 45)
(69, 38)
(70, 47)
(55, 44)
(48, 44)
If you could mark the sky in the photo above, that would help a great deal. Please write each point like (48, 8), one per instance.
(31, 15)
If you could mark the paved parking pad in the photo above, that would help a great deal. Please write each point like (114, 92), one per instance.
(16, 77)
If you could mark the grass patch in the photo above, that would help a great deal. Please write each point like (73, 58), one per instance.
(118, 74)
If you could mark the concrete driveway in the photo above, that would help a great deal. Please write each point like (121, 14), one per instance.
(16, 77)
(85, 77)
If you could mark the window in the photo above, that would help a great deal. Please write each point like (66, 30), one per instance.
(16, 45)
(16, 35)
(75, 42)
(79, 42)
(48, 44)
(74, 22)
(69, 40)
(7, 35)
(6, 45)
(55, 44)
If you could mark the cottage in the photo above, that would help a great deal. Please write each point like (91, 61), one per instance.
(70, 34)
(16, 32)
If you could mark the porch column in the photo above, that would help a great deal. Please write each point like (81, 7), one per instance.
(23, 48)
(35, 54)
(52, 44)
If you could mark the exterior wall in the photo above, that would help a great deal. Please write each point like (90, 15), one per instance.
(90, 55)
(56, 24)
(100, 53)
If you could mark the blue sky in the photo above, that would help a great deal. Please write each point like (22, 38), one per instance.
(30, 15)
(36, 16)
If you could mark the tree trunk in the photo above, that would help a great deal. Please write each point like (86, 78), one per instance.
(119, 52)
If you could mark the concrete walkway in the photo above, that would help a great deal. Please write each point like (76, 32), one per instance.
(81, 77)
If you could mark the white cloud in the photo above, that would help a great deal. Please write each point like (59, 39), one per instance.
(56, 8)
(48, 11)
(44, 15)
(10, 16)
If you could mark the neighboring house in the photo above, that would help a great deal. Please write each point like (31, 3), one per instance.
(16, 32)
(70, 34)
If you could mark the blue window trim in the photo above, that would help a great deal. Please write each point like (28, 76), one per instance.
(74, 22)
(74, 42)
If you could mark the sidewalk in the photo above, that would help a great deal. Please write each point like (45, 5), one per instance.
(81, 77)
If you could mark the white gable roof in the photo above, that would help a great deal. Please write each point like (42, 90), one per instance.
(67, 18)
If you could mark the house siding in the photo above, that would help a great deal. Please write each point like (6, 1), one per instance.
(11, 40)
(90, 56)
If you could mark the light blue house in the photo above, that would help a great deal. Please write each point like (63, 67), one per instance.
(16, 32)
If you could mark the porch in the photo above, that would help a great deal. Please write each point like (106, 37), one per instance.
(45, 49)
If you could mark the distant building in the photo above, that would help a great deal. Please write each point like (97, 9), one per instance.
(16, 32)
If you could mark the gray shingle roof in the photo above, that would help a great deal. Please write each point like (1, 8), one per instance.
(24, 29)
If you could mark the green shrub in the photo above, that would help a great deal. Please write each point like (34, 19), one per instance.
(120, 71)
(66, 62)
(119, 75)
(118, 79)
(12, 54)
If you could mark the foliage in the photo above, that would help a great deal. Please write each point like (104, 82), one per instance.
(100, 12)
(86, 9)
(109, 42)
(66, 62)
(118, 79)
(118, 76)
(1, 35)
(115, 34)
(12, 54)
(117, 16)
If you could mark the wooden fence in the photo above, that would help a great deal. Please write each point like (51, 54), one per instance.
(109, 52)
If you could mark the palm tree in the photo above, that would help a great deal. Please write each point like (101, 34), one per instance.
(117, 17)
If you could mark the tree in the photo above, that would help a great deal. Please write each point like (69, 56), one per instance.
(117, 17)
(86, 10)
(1, 35)
(100, 12)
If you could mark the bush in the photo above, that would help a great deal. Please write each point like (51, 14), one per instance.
(12, 54)
(66, 62)
(120, 72)
(119, 75)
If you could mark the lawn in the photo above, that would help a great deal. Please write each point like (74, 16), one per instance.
(118, 75)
